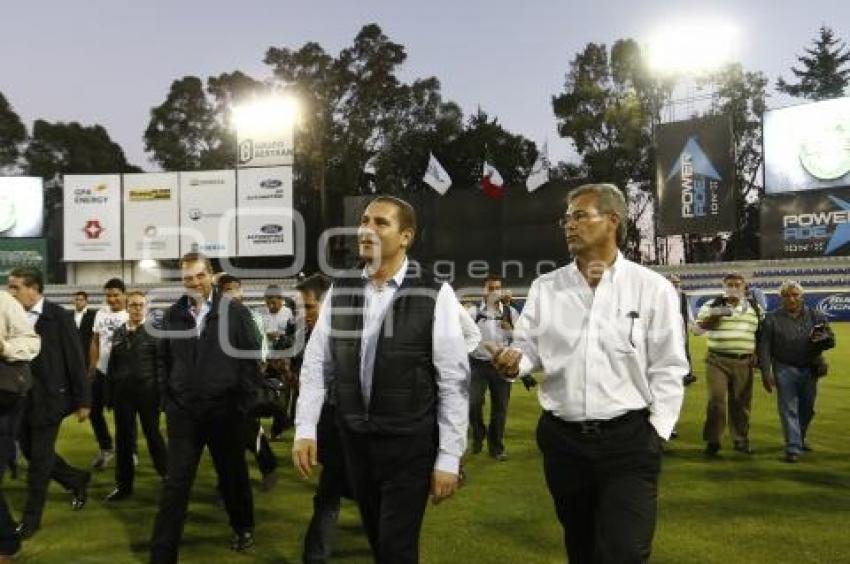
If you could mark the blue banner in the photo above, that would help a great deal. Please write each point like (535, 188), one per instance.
(835, 305)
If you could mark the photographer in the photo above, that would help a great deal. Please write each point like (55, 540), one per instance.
(792, 341)
(731, 323)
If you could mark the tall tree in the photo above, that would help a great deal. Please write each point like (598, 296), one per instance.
(12, 134)
(71, 148)
(824, 70)
(609, 104)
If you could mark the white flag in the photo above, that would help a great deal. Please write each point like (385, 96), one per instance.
(539, 172)
(369, 167)
(492, 175)
(436, 176)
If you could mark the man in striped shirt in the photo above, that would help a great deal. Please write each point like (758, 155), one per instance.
(731, 322)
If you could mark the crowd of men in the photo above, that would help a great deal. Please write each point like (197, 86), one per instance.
(382, 372)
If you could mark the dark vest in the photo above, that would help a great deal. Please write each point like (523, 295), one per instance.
(404, 391)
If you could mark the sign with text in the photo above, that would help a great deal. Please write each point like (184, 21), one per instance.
(695, 175)
(264, 200)
(22, 252)
(806, 224)
(151, 216)
(207, 212)
(92, 221)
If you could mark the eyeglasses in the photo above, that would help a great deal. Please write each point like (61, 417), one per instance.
(578, 217)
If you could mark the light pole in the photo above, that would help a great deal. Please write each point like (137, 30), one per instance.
(689, 48)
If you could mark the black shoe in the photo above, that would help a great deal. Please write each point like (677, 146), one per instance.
(81, 494)
(711, 449)
(790, 457)
(25, 531)
(477, 446)
(674, 434)
(242, 541)
(500, 456)
(743, 448)
(118, 494)
(689, 379)
(807, 448)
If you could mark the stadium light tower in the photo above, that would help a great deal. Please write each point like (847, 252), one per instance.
(262, 116)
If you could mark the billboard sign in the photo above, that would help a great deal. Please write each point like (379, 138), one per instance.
(806, 224)
(265, 222)
(807, 147)
(207, 220)
(21, 206)
(92, 217)
(151, 216)
(695, 176)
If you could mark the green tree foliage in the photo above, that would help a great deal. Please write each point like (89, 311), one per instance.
(192, 128)
(824, 70)
(12, 134)
(607, 108)
(71, 148)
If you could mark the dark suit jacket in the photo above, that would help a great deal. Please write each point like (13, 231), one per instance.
(60, 385)
(85, 331)
(198, 372)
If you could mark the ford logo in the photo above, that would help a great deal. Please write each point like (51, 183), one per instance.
(271, 229)
(271, 183)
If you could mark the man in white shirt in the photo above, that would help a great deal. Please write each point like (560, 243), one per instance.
(496, 321)
(389, 342)
(106, 321)
(606, 334)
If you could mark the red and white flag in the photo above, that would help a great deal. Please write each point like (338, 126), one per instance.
(491, 182)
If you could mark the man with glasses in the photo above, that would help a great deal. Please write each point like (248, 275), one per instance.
(605, 333)
(133, 391)
(792, 340)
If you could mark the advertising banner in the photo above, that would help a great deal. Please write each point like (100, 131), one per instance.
(806, 224)
(92, 217)
(207, 218)
(835, 305)
(22, 252)
(151, 216)
(21, 206)
(265, 223)
(695, 176)
(807, 147)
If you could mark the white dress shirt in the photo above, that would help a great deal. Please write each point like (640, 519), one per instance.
(35, 312)
(18, 340)
(605, 352)
(449, 358)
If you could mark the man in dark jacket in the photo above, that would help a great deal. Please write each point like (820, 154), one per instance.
(133, 390)
(59, 389)
(211, 375)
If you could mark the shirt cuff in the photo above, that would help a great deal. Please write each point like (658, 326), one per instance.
(447, 463)
(525, 366)
(663, 425)
(305, 431)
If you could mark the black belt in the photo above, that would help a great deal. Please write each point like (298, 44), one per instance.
(597, 426)
(736, 356)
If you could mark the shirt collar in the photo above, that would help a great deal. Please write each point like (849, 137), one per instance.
(38, 308)
(618, 265)
(396, 278)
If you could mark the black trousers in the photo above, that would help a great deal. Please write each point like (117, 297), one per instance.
(222, 431)
(604, 487)
(11, 407)
(391, 479)
(258, 445)
(38, 443)
(333, 486)
(484, 377)
(98, 402)
(131, 400)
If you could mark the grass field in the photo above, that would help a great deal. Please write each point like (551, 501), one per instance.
(736, 509)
